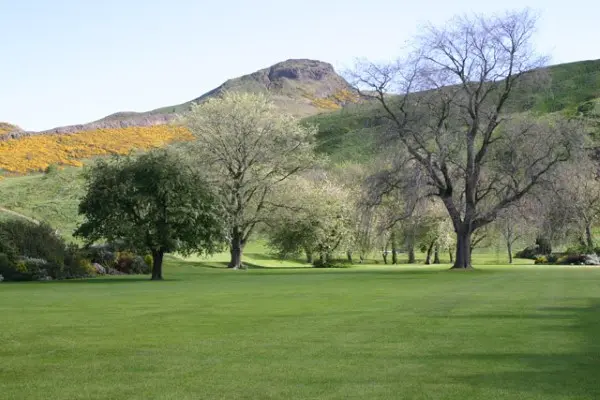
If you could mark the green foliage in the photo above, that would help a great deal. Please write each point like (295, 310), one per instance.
(51, 169)
(543, 245)
(33, 240)
(571, 84)
(153, 203)
(35, 252)
(530, 253)
(317, 218)
(331, 263)
(541, 260)
(149, 260)
(130, 263)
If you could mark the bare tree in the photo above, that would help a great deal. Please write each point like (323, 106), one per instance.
(514, 223)
(445, 104)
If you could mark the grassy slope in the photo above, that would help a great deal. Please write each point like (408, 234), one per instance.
(49, 198)
(365, 333)
(348, 134)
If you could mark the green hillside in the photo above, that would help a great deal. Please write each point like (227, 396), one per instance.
(348, 133)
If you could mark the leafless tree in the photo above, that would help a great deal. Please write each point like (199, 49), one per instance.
(445, 103)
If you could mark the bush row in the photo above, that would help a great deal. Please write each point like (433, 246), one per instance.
(29, 252)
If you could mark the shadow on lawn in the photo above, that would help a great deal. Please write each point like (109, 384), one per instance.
(570, 374)
(112, 280)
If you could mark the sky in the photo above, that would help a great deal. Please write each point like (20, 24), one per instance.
(66, 62)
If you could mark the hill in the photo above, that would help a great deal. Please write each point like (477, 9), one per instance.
(347, 135)
(298, 86)
(573, 88)
(6, 128)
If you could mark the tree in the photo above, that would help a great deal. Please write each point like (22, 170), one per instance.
(578, 188)
(154, 203)
(316, 219)
(446, 104)
(514, 223)
(247, 147)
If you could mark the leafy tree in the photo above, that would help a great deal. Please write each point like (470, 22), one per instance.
(154, 203)
(247, 147)
(446, 105)
(317, 219)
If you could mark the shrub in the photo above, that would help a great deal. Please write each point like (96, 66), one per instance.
(569, 259)
(576, 250)
(149, 260)
(9, 269)
(139, 266)
(77, 264)
(541, 260)
(31, 240)
(51, 169)
(530, 253)
(129, 263)
(543, 245)
(329, 263)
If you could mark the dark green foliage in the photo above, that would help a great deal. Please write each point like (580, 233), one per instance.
(331, 263)
(543, 245)
(571, 85)
(130, 263)
(152, 203)
(35, 252)
(530, 253)
(34, 241)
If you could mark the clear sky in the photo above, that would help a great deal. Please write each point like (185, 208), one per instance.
(72, 61)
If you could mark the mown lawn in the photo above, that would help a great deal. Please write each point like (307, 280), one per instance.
(298, 333)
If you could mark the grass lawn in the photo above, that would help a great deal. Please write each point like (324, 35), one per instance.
(298, 333)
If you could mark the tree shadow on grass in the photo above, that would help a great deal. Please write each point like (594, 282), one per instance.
(574, 374)
(116, 279)
(222, 265)
(270, 257)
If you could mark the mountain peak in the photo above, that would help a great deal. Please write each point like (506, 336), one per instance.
(301, 87)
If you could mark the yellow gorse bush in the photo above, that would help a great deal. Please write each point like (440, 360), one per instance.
(35, 153)
(334, 101)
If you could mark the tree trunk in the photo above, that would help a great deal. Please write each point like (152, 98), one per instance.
(463, 249)
(309, 256)
(436, 254)
(411, 254)
(362, 258)
(589, 238)
(394, 246)
(410, 244)
(157, 263)
(384, 255)
(509, 249)
(429, 251)
(236, 250)
(323, 258)
(451, 255)
(349, 255)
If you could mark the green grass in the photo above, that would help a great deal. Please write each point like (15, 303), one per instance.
(299, 333)
(50, 198)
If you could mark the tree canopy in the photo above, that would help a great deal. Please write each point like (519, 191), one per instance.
(246, 147)
(154, 202)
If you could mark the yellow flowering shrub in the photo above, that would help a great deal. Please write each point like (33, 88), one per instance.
(35, 153)
(334, 101)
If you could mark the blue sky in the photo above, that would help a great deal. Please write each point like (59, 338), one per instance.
(73, 61)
